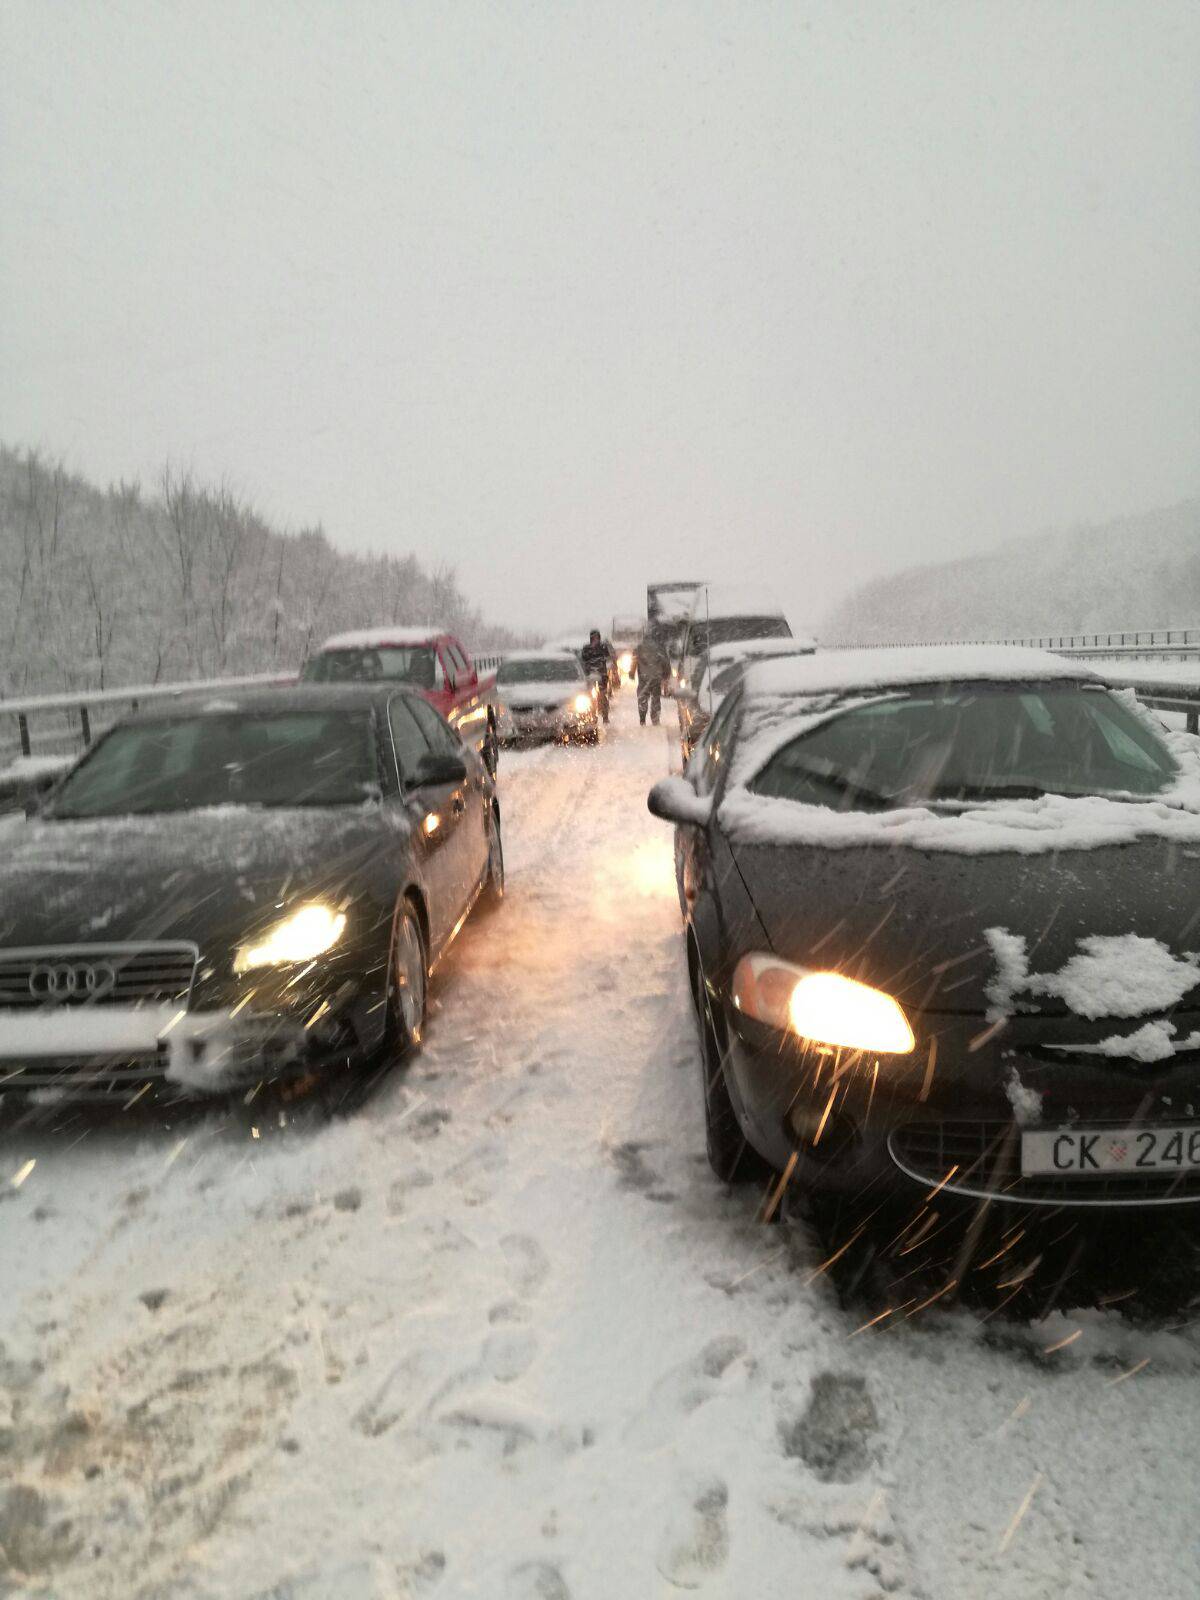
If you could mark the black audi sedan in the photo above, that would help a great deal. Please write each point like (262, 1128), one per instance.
(241, 889)
(942, 921)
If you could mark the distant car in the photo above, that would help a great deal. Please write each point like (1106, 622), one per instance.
(545, 695)
(240, 890)
(718, 672)
(725, 614)
(941, 930)
(432, 663)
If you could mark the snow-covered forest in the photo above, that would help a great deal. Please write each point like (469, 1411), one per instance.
(1135, 572)
(182, 579)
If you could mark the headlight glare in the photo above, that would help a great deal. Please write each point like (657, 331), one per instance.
(824, 1007)
(300, 936)
(582, 703)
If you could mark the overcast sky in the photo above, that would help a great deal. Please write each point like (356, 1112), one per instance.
(577, 297)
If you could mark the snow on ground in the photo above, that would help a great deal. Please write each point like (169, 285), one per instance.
(500, 1334)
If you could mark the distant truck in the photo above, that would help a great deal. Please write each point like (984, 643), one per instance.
(421, 658)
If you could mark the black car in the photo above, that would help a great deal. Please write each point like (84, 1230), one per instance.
(942, 918)
(241, 889)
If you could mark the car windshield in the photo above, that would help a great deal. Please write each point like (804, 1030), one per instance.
(393, 663)
(972, 743)
(546, 669)
(708, 632)
(220, 759)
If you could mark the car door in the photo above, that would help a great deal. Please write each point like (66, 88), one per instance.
(471, 802)
(431, 810)
(693, 853)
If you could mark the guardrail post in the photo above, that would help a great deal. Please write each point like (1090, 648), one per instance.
(1193, 720)
(23, 730)
(85, 723)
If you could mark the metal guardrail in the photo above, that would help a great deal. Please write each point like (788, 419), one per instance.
(79, 705)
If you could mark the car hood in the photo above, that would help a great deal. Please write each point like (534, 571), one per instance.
(523, 695)
(1051, 933)
(206, 876)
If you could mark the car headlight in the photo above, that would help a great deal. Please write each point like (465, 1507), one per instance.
(822, 1006)
(582, 703)
(305, 933)
(625, 663)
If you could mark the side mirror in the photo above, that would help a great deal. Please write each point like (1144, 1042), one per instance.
(674, 800)
(438, 768)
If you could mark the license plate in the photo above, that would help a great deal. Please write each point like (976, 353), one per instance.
(1108, 1152)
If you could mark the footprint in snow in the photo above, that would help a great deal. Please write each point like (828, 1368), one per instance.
(833, 1435)
(402, 1189)
(682, 1390)
(695, 1538)
(527, 1264)
(634, 1172)
(535, 1580)
(509, 1354)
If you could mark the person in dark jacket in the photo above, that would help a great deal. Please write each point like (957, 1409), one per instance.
(595, 655)
(651, 665)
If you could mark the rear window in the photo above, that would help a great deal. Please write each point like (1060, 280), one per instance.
(412, 664)
(972, 743)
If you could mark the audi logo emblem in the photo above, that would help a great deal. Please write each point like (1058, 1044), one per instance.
(71, 980)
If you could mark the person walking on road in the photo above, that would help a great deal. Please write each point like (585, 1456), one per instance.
(651, 665)
(595, 657)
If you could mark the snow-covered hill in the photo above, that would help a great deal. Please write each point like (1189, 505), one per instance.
(1136, 572)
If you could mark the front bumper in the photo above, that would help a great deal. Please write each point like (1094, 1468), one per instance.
(111, 1052)
(564, 723)
(853, 1123)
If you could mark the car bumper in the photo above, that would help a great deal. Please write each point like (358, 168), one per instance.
(548, 724)
(849, 1125)
(110, 1052)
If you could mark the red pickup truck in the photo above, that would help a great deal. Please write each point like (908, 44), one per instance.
(421, 658)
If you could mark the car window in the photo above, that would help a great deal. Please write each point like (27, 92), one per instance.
(448, 669)
(461, 666)
(971, 742)
(711, 755)
(407, 736)
(441, 736)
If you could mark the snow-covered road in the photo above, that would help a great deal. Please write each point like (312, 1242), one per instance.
(501, 1334)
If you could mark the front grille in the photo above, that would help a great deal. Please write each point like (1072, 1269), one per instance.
(97, 974)
(105, 1080)
(986, 1158)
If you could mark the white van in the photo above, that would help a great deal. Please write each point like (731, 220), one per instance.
(727, 614)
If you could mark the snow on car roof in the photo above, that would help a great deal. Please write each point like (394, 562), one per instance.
(744, 649)
(382, 638)
(856, 671)
(548, 652)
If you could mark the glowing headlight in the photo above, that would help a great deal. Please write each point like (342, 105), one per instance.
(625, 662)
(822, 1006)
(307, 932)
(582, 703)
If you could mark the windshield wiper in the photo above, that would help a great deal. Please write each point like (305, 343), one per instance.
(988, 791)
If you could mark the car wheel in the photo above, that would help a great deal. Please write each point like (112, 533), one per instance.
(491, 750)
(492, 894)
(732, 1159)
(410, 977)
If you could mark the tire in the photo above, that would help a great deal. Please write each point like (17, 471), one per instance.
(492, 894)
(408, 991)
(491, 750)
(732, 1159)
